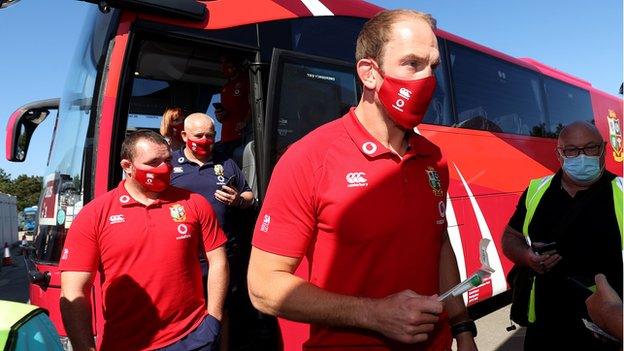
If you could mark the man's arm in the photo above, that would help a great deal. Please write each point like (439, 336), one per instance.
(516, 249)
(76, 308)
(246, 199)
(449, 277)
(605, 307)
(218, 277)
(275, 290)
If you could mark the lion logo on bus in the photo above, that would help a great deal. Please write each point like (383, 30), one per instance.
(177, 213)
(615, 135)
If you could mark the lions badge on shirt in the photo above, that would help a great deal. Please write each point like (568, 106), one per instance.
(177, 213)
(434, 181)
(218, 170)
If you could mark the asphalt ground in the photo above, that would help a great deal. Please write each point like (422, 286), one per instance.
(14, 278)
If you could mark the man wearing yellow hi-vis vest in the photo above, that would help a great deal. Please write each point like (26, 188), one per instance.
(567, 228)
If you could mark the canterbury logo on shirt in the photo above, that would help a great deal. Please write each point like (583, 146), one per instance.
(356, 179)
(114, 219)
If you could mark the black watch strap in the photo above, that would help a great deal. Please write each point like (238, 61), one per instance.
(464, 327)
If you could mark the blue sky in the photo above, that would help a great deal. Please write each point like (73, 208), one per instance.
(582, 38)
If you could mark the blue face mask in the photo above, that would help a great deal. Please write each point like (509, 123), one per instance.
(582, 168)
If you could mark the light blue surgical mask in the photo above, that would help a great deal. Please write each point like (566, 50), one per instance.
(582, 168)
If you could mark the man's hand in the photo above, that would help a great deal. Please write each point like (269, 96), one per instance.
(541, 263)
(465, 342)
(228, 195)
(605, 307)
(406, 316)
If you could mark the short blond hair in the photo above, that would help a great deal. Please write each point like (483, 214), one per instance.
(376, 32)
(171, 114)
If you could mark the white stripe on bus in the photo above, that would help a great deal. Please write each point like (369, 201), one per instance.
(456, 243)
(317, 8)
(499, 284)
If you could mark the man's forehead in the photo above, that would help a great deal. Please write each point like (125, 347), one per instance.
(146, 147)
(579, 135)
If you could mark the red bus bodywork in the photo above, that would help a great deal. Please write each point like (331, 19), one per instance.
(481, 198)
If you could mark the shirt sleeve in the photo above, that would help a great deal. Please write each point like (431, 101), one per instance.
(287, 220)
(517, 219)
(241, 182)
(81, 251)
(212, 234)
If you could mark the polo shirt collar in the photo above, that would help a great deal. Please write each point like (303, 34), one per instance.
(125, 200)
(180, 159)
(371, 147)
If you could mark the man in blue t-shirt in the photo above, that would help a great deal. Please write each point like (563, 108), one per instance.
(217, 178)
(214, 176)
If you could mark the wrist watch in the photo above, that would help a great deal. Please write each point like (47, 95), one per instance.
(464, 327)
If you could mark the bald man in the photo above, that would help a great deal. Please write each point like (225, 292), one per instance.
(567, 231)
(196, 167)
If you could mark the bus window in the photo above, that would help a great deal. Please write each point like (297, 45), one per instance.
(310, 36)
(440, 110)
(304, 93)
(495, 95)
(566, 104)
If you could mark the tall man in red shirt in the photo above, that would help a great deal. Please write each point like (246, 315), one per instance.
(234, 110)
(363, 199)
(143, 238)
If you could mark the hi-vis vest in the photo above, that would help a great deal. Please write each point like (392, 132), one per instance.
(537, 188)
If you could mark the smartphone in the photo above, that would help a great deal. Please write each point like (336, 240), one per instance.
(231, 181)
(218, 106)
(545, 248)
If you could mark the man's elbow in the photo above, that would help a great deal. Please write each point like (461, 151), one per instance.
(258, 294)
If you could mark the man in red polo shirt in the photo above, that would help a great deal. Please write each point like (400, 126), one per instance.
(234, 110)
(143, 238)
(363, 199)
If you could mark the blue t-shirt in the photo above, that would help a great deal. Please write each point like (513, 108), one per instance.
(205, 180)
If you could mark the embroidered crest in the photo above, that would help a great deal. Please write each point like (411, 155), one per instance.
(218, 169)
(434, 181)
(177, 213)
(615, 135)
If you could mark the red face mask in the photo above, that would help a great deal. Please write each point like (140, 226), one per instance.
(406, 101)
(199, 147)
(154, 179)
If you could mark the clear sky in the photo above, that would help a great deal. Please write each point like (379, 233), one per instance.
(580, 37)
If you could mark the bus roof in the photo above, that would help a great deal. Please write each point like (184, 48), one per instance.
(227, 13)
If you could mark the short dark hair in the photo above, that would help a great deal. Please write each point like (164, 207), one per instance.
(376, 32)
(129, 144)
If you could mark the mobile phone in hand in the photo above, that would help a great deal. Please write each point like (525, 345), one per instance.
(230, 182)
(545, 248)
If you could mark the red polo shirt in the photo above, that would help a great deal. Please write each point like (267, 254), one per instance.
(147, 255)
(369, 222)
(235, 101)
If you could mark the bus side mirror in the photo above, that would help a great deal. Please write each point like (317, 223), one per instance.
(7, 3)
(22, 125)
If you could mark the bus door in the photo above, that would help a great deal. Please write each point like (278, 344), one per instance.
(186, 69)
(304, 92)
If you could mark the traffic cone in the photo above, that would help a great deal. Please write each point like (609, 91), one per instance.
(7, 260)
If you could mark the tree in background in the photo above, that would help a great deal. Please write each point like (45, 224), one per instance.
(26, 188)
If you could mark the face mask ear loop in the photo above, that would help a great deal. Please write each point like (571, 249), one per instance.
(377, 68)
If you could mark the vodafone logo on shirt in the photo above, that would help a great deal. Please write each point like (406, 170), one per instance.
(356, 179)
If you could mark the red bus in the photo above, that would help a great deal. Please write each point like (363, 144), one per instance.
(495, 117)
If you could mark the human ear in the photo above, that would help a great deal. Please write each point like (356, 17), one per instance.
(367, 74)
